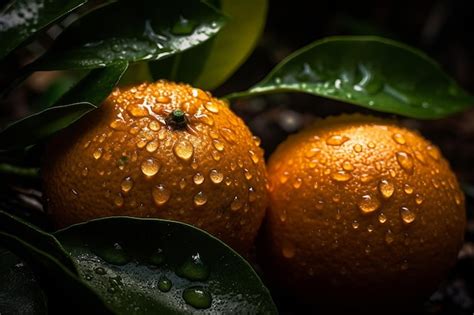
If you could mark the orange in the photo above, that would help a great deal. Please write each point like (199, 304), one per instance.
(363, 212)
(162, 150)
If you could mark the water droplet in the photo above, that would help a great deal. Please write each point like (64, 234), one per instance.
(386, 188)
(118, 200)
(200, 199)
(405, 160)
(164, 284)
(247, 174)
(157, 257)
(284, 177)
(160, 194)
(87, 144)
(252, 194)
(398, 138)
(336, 140)
(297, 183)
(408, 189)
(152, 146)
(257, 140)
(198, 178)
(97, 153)
(357, 148)
(382, 218)
(458, 198)
(127, 184)
(288, 250)
(236, 204)
(389, 237)
(85, 171)
(118, 124)
(419, 199)
(163, 99)
(254, 157)
(433, 152)
(194, 269)
(370, 228)
(341, 176)
(369, 204)
(154, 125)
(183, 149)
(371, 145)
(114, 254)
(150, 167)
(228, 134)
(183, 26)
(197, 297)
(407, 215)
(216, 176)
(346, 165)
(355, 225)
(219, 145)
(100, 271)
(212, 107)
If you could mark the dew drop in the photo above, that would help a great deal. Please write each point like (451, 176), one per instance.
(100, 271)
(200, 199)
(382, 218)
(163, 99)
(284, 177)
(419, 199)
(157, 257)
(357, 148)
(407, 215)
(355, 224)
(369, 204)
(152, 146)
(236, 204)
(389, 237)
(297, 183)
(254, 157)
(219, 145)
(252, 194)
(164, 284)
(408, 189)
(150, 167)
(118, 200)
(197, 297)
(85, 171)
(160, 194)
(346, 165)
(433, 152)
(114, 254)
(212, 107)
(97, 153)
(257, 140)
(336, 140)
(386, 188)
(198, 178)
(154, 125)
(215, 155)
(127, 184)
(247, 174)
(371, 145)
(216, 176)
(405, 160)
(183, 149)
(194, 269)
(398, 138)
(341, 176)
(118, 124)
(419, 156)
(370, 228)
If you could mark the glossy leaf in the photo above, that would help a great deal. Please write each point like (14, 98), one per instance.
(209, 65)
(150, 266)
(23, 18)
(39, 126)
(132, 31)
(372, 72)
(20, 292)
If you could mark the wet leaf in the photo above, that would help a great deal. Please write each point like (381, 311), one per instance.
(150, 266)
(372, 72)
(113, 34)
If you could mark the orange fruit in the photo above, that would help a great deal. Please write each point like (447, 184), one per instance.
(363, 212)
(162, 150)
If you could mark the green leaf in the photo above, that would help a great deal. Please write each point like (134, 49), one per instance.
(372, 72)
(41, 125)
(96, 86)
(209, 65)
(20, 292)
(132, 31)
(23, 18)
(150, 266)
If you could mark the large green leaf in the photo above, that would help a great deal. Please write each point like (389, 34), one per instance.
(372, 72)
(23, 18)
(39, 126)
(150, 266)
(132, 31)
(20, 292)
(210, 64)
(84, 97)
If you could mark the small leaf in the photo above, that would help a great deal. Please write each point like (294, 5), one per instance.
(372, 72)
(131, 31)
(96, 86)
(20, 292)
(151, 266)
(41, 125)
(211, 63)
(23, 18)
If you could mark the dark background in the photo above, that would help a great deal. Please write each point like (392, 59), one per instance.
(440, 28)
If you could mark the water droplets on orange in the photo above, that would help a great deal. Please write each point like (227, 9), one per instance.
(405, 161)
(160, 194)
(127, 184)
(398, 138)
(336, 140)
(198, 178)
(368, 204)
(386, 188)
(216, 176)
(341, 176)
(183, 149)
(200, 199)
(150, 167)
(407, 215)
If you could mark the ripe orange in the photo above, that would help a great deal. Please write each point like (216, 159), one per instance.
(363, 212)
(162, 150)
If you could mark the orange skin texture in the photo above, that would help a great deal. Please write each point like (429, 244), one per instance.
(95, 167)
(321, 246)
